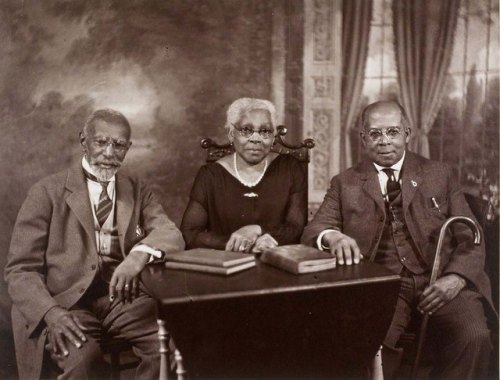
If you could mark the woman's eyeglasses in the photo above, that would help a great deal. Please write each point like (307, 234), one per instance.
(247, 131)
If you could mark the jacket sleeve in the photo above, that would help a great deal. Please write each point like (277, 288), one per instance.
(329, 215)
(466, 259)
(25, 269)
(161, 233)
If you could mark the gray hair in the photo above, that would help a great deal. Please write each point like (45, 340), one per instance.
(241, 106)
(108, 115)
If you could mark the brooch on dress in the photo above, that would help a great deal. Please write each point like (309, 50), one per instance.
(251, 195)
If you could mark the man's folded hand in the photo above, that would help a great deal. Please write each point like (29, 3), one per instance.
(124, 284)
(63, 327)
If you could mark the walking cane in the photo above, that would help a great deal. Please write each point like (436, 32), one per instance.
(435, 268)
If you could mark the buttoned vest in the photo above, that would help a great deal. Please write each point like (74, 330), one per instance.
(396, 249)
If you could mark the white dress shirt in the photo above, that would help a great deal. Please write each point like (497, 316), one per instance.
(102, 238)
(382, 178)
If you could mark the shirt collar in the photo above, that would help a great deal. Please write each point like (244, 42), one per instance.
(396, 167)
(87, 167)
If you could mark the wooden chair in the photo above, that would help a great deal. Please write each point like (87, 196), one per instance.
(300, 151)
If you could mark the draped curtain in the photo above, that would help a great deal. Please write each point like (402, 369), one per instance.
(356, 18)
(423, 44)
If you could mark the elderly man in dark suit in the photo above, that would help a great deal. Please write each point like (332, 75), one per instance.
(80, 241)
(390, 208)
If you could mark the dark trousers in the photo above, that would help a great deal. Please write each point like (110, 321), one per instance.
(458, 332)
(135, 322)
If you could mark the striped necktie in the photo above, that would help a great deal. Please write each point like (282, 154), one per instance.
(393, 187)
(105, 204)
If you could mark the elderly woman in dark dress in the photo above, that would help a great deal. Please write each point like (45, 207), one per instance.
(251, 199)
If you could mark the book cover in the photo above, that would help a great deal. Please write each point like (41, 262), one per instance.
(212, 257)
(209, 268)
(298, 258)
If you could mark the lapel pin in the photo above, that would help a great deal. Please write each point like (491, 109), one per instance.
(414, 183)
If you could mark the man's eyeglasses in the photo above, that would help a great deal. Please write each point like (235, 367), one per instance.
(391, 133)
(247, 131)
(118, 145)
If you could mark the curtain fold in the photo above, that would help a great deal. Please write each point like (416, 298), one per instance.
(423, 44)
(356, 18)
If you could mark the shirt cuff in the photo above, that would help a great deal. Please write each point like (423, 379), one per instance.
(319, 240)
(153, 253)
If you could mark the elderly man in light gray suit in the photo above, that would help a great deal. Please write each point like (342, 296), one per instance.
(80, 241)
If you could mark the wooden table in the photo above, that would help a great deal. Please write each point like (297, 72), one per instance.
(266, 323)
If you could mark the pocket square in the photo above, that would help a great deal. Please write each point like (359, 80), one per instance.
(139, 231)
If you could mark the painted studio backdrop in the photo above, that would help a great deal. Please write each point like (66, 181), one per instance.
(173, 67)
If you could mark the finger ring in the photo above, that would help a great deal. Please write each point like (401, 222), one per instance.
(126, 286)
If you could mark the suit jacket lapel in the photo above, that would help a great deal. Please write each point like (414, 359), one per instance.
(79, 202)
(411, 179)
(371, 183)
(124, 207)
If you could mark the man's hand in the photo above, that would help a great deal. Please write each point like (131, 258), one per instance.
(440, 293)
(343, 247)
(63, 327)
(243, 239)
(124, 284)
(263, 242)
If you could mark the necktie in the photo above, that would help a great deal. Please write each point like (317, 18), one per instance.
(105, 203)
(393, 187)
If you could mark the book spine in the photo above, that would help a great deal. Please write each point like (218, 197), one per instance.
(196, 267)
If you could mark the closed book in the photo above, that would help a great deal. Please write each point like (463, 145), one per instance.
(298, 258)
(213, 257)
(210, 268)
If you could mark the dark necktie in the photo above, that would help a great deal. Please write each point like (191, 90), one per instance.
(105, 203)
(393, 187)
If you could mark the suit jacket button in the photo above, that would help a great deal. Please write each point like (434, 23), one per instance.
(93, 267)
(381, 219)
(82, 290)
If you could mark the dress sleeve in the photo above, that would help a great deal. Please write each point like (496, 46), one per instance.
(194, 225)
(296, 215)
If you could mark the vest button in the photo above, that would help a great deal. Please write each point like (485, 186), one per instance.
(381, 219)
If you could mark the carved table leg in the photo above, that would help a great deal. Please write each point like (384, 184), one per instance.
(181, 372)
(163, 337)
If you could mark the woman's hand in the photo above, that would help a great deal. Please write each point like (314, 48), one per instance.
(243, 239)
(263, 242)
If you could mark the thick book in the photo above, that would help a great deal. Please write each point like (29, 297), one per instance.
(221, 270)
(298, 258)
(212, 257)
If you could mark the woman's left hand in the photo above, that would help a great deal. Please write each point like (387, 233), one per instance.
(243, 239)
(263, 242)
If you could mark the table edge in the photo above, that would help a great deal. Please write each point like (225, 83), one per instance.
(297, 288)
